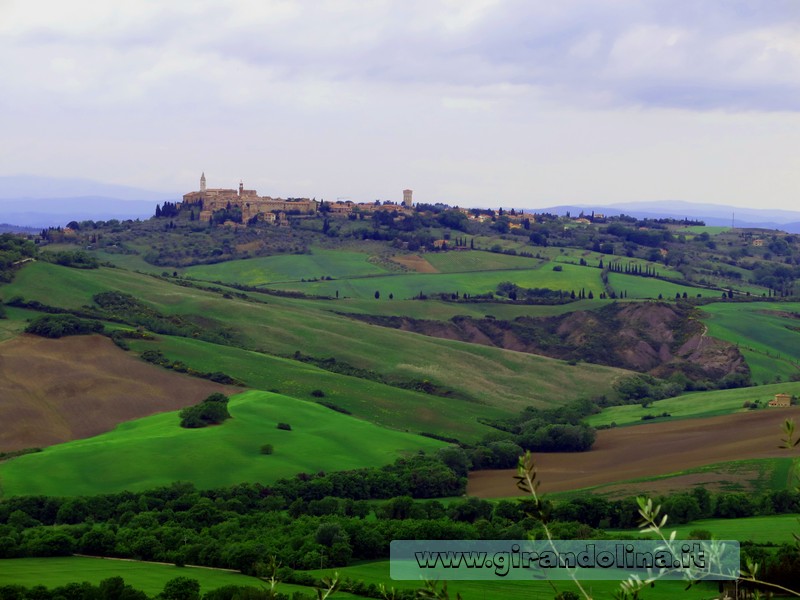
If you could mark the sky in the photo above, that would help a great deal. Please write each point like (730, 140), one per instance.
(513, 103)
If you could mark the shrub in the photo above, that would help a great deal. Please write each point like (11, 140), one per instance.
(267, 449)
(284, 426)
(56, 326)
(558, 268)
(318, 394)
(211, 411)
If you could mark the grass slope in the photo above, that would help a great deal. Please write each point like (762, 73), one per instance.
(157, 451)
(776, 529)
(384, 405)
(767, 333)
(469, 261)
(693, 405)
(147, 577)
(749, 475)
(378, 572)
(499, 378)
(650, 287)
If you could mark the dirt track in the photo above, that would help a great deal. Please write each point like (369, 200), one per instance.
(53, 391)
(648, 450)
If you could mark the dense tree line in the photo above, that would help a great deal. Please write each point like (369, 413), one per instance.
(558, 429)
(13, 250)
(304, 525)
(77, 259)
(305, 521)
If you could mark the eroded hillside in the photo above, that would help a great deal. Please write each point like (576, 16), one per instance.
(652, 337)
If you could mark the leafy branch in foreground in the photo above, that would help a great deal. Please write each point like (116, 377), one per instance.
(429, 592)
(652, 523)
(330, 586)
(527, 482)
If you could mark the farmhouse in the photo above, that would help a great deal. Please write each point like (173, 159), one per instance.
(781, 400)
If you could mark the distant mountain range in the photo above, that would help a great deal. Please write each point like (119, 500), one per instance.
(31, 201)
(711, 214)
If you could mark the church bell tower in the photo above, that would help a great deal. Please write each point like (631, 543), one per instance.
(203, 182)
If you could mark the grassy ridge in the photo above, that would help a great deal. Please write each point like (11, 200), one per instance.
(442, 311)
(762, 330)
(157, 451)
(694, 405)
(496, 377)
(381, 404)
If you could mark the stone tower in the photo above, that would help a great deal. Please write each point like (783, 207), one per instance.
(407, 198)
(203, 182)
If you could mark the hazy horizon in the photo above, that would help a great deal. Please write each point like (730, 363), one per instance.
(474, 103)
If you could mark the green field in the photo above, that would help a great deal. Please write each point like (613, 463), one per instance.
(752, 475)
(495, 377)
(775, 529)
(294, 267)
(147, 577)
(440, 310)
(767, 333)
(409, 285)
(466, 261)
(574, 255)
(694, 405)
(157, 451)
(378, 572)
(650, 287)
(698, 229)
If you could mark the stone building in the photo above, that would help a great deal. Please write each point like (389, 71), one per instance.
(781, 400)
(248, 201)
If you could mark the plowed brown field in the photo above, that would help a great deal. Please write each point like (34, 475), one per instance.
(53, 391)
(415, 263)
(648, 450)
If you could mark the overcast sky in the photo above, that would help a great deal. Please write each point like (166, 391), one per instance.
(520, 103)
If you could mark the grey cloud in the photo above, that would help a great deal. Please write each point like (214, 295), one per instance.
(577, 52)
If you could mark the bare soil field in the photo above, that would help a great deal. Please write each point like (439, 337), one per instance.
(52, 391)
(649, 450)
(415, 263)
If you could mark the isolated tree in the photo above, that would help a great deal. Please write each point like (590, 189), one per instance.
(181, 588)
(377, 295)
